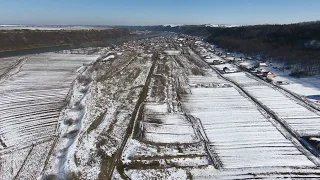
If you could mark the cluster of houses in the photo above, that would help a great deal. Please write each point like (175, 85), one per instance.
(144, 47)
(260, 69)
(264, 71)
(216, 56)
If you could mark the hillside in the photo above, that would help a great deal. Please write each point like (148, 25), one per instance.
(297, 45)
(12, 40)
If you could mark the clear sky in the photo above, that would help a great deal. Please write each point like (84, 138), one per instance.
(154, 12)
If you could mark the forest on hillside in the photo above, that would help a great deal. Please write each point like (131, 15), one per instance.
(12, 40)
(296, 45)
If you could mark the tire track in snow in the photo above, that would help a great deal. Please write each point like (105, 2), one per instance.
(24, 162)
(13, 69)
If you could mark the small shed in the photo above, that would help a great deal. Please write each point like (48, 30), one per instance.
(269, 75)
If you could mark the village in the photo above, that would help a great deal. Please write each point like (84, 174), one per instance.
(226, 98)
(166, 107)
(233, 62)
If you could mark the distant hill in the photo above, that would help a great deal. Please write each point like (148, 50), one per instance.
(196, 30)
(298, 45)
(12, 40)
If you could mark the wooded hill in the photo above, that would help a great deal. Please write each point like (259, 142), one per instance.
(12, 40)
(297, 45)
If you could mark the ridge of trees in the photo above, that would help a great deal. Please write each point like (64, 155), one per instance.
(12, 40)
(296, 45)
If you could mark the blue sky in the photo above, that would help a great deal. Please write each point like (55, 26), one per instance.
(153, 12)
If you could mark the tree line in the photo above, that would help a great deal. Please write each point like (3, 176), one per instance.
(296, 45)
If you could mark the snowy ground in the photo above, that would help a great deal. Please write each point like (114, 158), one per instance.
(167, 138)
(308, 87)
(216, 106)
(113, 95)
(303, 121)
(162, 127)
(31, 100)
(7, 63)
(239, 133)
(240, 139)
(148, 109)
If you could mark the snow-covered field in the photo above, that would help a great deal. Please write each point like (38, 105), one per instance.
(162, 127)
(241, 136)
(169, 173)
(11, 162)
(31, 100)
(257, 173)
(299, 118)
(114, 92)
(238, 136)
(206, 80)
(7, 63)
(242, 79)
(304, 88)
(167, 138)
(308, 87)
(148, 112)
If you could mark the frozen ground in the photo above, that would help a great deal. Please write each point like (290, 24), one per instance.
(308, 87)
(299, 118)
(34, 96)
(239, 133)
(7, 63)
(148, 109)
(162, 127)
(31, 100)
(240, 139)
(102, 128)
(166, 138)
